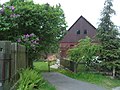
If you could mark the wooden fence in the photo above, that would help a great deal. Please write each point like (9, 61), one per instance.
(13, 57)
(94, 68)
(68, 64)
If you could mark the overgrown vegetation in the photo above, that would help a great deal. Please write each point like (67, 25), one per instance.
(32, 80)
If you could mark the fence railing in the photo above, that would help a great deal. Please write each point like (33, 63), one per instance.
(68, 64)
(71, 65)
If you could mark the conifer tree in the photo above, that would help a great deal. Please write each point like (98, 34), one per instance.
(109, 38)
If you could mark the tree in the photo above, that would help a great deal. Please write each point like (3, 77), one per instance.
(45, 21)
(84, 52)
(108, 37)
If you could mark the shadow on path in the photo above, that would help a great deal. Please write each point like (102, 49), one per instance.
(62, 82)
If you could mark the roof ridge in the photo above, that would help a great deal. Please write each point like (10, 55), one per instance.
(78, 20)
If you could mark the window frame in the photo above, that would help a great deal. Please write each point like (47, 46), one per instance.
(78, 32)
(85, 31)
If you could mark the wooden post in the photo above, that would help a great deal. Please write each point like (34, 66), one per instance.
(48, 66)
(75, 67)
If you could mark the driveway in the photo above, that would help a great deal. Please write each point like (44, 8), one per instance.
(62, 82)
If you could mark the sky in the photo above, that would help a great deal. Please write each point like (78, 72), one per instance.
(90, 9)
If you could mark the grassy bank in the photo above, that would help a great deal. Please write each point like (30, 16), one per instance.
(93, 78)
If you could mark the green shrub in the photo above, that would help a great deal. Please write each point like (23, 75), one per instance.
(29, 80)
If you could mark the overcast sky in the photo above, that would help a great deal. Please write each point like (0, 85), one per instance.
(90, 9)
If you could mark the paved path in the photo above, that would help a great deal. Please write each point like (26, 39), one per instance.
(62, 82)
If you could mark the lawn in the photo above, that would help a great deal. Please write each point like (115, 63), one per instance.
(98, 79)
(41, 66)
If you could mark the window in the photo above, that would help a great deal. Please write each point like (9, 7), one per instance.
(1, 49)
(85, 31)
(78, 31)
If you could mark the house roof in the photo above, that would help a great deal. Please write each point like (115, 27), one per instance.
(80, 24)
(78, 20)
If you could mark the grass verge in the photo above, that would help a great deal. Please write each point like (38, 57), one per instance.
(47, 86)
(93, 78)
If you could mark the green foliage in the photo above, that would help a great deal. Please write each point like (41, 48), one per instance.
(45, 21)
(109, 37)
(29, 80)
(32, 80)
(6, 21)
(85, 51)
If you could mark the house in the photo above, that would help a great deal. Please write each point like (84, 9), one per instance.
(79, 30)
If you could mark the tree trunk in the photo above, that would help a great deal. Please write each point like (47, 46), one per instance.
(30, 63)
(45, 55)
(113, 75)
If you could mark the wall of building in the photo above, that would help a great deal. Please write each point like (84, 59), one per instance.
(64, 48)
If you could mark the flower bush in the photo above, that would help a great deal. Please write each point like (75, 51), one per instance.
(8, 11)
(8, 21)
(31, 41)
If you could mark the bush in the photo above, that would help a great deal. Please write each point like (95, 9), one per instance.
(29, 80)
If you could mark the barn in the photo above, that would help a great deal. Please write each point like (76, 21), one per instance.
(79, 30)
